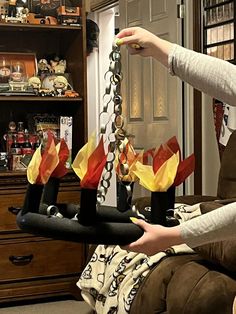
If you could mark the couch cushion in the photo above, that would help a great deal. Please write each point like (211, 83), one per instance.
(196, 289)
(206, 207)
(221, 253)
(209, 206)
(183, 284)
(151, 295)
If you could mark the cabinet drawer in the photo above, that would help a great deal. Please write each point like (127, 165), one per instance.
(9, 201)
(40, 258)
(69, 196)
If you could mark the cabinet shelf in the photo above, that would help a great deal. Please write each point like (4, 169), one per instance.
(20, 177)
(44, 41)
(40, 99)
(34, 27)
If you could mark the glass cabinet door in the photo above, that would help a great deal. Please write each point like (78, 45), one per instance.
(219, 28)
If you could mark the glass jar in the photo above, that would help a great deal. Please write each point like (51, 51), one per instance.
(17, 71)
(5, 70)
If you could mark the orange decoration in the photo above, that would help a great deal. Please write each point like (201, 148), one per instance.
(63, 155)
(49, 160)
(96, 163)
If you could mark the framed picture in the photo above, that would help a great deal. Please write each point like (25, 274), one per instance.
(45, 7)
(17, 67)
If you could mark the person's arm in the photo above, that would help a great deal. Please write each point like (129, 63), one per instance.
(214, 226)
(150, 45)
(217, 225)
(156, 238)
(210, 75)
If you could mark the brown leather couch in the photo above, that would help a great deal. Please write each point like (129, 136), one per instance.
(200, 283)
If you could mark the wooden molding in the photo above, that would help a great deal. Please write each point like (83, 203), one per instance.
(99, 4)
(197, 37)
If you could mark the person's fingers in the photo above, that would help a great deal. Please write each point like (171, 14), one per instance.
(141, 223)
(129, 40)
(138, 243)
(125, 32)
(134, 246)
(127, 37)
(133, 51)
(138, 246)
(135, 46)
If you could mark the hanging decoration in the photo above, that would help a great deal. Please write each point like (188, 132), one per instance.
(91, 221)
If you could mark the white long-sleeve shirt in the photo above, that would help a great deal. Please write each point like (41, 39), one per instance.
(210, 75)
(216, 78)
(218, 225)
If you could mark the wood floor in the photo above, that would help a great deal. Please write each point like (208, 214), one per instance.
(55, 307)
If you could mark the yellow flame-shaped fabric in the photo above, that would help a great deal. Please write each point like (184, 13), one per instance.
(80, 163)
(164, 177)
(33, 167)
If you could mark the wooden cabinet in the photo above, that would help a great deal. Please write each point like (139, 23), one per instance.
(33, 266)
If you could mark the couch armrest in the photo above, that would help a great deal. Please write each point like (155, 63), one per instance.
(194, 199)
(195, 288)
(142, 202)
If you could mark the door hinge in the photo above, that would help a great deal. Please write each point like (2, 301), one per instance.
(180, 11)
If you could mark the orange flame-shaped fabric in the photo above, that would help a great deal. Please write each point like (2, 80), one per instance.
(89, 163)
(63, 154)
(43, 164)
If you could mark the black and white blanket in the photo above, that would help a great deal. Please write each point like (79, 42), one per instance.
(112, 277)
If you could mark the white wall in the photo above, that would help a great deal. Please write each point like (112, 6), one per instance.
(188, 97)
(93, 96)
(98, 64)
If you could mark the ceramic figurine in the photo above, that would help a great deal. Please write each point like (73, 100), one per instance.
(35, 83)
(44, 67)
(60, 85)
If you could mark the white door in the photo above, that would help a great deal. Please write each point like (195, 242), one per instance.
(151, 97)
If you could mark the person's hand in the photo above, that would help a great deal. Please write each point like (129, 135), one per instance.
(156, 238)
(142, 42)
(138, 41)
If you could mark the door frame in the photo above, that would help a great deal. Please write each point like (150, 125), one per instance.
(191, 98)
(197, 101)
(97, 66)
